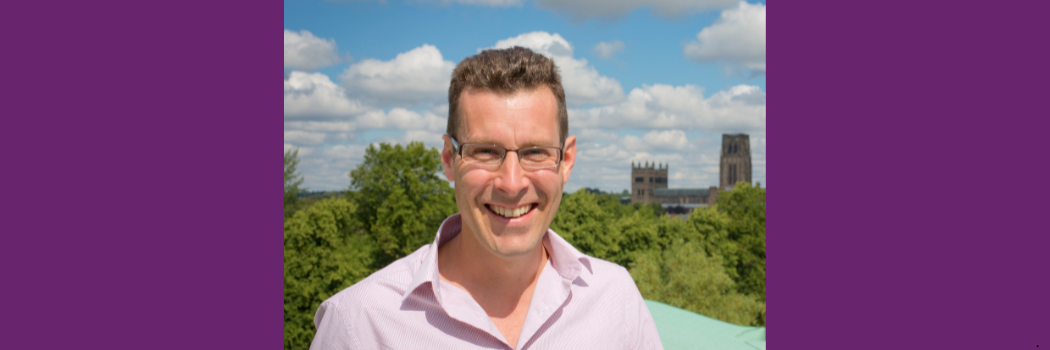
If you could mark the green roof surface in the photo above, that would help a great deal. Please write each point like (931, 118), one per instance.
(684, 329)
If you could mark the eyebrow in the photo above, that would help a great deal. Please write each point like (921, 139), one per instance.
(526, 144)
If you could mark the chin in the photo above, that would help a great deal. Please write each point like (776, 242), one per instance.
(518, 247)
(510, 243)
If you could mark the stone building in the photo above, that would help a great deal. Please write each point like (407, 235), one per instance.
(735, 162)
(649, 181)
(645, 179)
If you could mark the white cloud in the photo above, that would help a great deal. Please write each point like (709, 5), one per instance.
(660, 141)
(428, 138)
(314, 132)
(607, 49)
(541, 42)
(441, 109)
(666, 139)
(305, 51)
(635, 143)
(303, 137)
(321, 126)
(402, 119)
(609, 9)
(314, 95)
(737, 39)
(604, 152)
(747, 94)
(592, 135)
(583, 85)
(326, 169)
(418, 76)
(741, 109)
(345, 152)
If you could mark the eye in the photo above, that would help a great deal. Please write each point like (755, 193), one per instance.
(537, 154)
(483, 153)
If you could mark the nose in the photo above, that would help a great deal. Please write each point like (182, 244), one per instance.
(510, 177)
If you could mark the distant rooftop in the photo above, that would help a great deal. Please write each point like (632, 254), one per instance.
(676, 192)
(684, 205)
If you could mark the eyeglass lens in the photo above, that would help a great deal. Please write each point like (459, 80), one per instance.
(531, 157)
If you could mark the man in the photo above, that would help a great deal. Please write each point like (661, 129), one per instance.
(496, 276)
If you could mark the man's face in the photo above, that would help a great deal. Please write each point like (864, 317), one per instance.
(523, 119)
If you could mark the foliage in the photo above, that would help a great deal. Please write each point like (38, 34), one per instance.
(583, 223)
(685, 276)
(712, 229)
(657, 209)
(321, 257)
(292, 183)
(598, 225)
(639, 234)
(309, 198)
(745, 206)
(401, 201)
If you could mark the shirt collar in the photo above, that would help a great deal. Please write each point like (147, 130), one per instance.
(564, 258)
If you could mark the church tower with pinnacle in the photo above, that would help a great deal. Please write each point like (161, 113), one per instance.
(735, 163)
(645, 179)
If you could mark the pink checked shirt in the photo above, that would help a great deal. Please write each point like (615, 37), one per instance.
(579, 302)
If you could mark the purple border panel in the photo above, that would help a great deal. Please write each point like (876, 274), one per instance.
(907, 145)
(907, 142)
(144, 143)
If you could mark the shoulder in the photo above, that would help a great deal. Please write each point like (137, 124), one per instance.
(604, 272)
(379, 291)
(592, 270)
(617, 287)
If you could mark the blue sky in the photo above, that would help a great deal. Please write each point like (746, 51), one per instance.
(657, 82)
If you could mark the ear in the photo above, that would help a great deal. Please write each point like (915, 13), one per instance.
(446, 158)
(569, 159)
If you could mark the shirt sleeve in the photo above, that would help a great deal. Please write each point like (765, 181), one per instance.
(640, 324)
(332, 332)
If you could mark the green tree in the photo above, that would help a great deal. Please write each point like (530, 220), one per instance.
(583, 223)
(611, 205)
(745, 206)
(685, 276)
(657, 209)
(712, 230)
(324, 252)
(639, 233)
(401, 201)
(292, 183)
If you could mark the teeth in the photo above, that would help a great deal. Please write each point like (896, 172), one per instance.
(511, 213)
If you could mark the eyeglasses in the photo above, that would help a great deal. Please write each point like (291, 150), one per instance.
(491, 156)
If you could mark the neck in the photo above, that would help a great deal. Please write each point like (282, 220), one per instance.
(466, 264)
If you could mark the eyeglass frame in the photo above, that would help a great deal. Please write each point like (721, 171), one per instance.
(459, 151)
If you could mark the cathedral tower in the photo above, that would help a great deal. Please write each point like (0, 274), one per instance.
(645, 179)
(735, 164)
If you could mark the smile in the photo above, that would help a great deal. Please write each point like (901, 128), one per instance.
(510, 213)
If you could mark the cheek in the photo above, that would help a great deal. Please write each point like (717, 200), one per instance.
(471, 184)
(546, 183)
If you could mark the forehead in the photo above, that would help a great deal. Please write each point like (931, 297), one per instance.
(522, 118)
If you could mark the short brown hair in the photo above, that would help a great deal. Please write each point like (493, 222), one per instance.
(506, 71)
